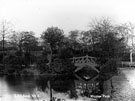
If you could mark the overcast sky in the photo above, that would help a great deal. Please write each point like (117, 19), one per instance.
(37, 15)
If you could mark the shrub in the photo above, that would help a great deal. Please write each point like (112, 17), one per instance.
(109, 69)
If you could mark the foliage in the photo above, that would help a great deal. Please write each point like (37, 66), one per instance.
(1, 56)
(54, 36)
(29, 58)
(63, 66)
(74, 35)
(112, 45)
(65, 53)
(29, 41)
(16, 40)
(24, 41)
(89, 39)
(109, 69)
(104, 38)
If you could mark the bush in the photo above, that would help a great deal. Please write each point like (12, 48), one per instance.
(1, 57)
(109, 69)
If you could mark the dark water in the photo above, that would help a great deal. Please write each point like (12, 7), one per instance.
(37, 88)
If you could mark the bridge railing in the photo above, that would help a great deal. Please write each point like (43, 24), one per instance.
(84, 59)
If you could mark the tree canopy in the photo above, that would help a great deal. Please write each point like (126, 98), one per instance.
(24, 40)
(54, 36)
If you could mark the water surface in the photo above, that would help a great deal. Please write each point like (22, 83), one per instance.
(38, 88)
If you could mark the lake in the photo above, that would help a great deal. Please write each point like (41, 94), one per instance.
(37, 88)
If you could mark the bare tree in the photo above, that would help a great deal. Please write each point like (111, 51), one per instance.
(103, 25)
(127, 30)
(17, 39)
(24, 40)
(5, 29)
(130, 30)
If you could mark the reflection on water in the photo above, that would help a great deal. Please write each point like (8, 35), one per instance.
(39, 88)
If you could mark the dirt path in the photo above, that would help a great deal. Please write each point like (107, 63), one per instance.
(124, 86)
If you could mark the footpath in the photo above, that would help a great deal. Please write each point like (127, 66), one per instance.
(123, 86)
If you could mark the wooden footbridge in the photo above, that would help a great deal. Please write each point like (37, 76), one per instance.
(83, 61)
(89, 63)
(85, 64)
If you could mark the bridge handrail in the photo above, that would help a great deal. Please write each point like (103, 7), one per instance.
(83, 57)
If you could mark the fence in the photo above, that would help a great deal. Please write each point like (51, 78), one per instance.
(127, 64)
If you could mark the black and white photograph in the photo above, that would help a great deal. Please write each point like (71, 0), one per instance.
(67, 50)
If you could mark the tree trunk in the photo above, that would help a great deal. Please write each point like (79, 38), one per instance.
(112, 87)
(101, 86)
(3, 48)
